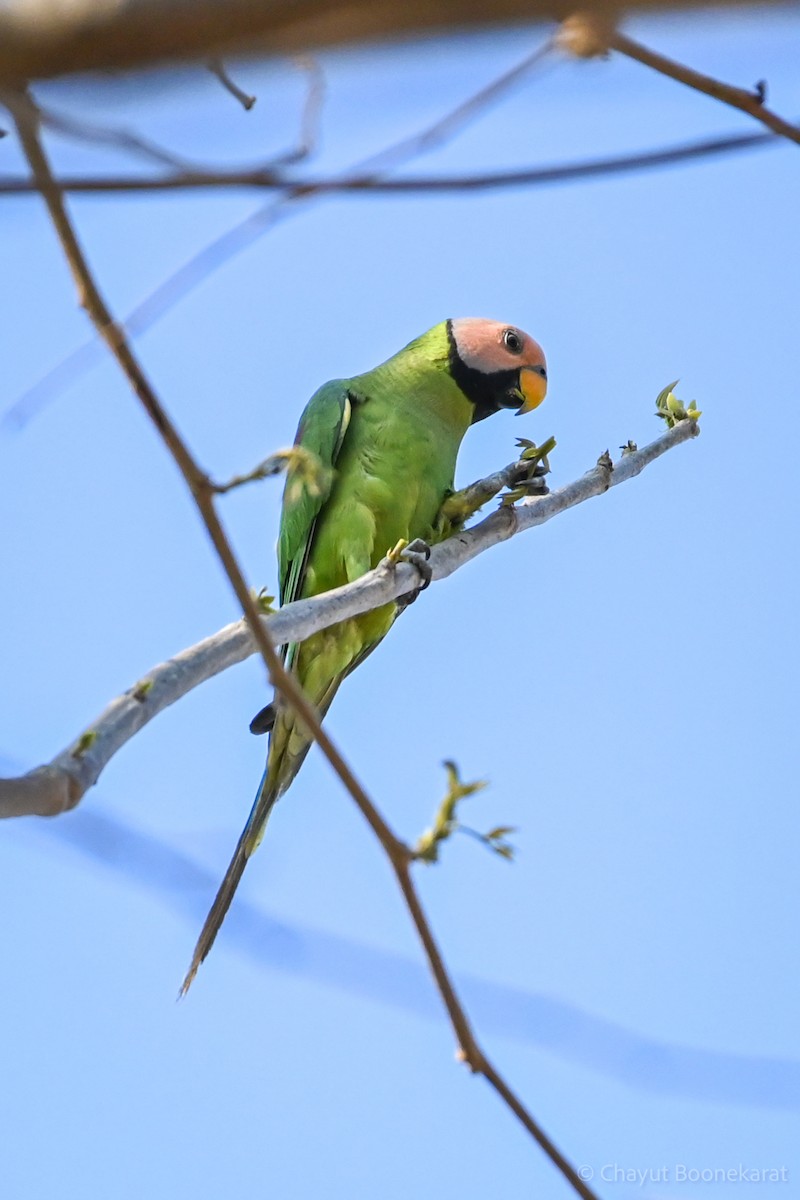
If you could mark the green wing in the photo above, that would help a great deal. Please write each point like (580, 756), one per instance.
(322, 430)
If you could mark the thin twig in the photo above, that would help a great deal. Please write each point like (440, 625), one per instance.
(268, 178)
(50, 789)
(217, 68)
(273, 464)
(26, 121)
(736, 97)
(119, 139)
(146, 314)
(463, 114)
(310, 119)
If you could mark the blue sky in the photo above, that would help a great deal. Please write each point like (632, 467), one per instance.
(625, 676)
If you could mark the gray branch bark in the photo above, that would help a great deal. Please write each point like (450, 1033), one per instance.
(59, 785)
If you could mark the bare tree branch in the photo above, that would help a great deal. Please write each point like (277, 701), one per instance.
(119, 139)
(593, 34)
(267, 177)
(147, 313)
(458, 118)
(41, 38)
(50, 789)
(399, 854)
(310, 119)
(750, 102)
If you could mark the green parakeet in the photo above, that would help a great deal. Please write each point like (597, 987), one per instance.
(389, 439)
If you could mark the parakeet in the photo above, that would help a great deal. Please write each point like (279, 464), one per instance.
(388, 441)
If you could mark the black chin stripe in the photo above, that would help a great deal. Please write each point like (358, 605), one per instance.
(488, 393)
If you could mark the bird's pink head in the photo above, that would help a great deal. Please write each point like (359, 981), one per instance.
(496, 365)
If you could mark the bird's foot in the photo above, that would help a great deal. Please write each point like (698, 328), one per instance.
(528, 476)
(416, 552)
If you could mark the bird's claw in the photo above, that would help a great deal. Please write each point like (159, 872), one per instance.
(530, 477)
(527, 478)
(416, 552)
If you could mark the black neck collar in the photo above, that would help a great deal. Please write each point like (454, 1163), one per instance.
(487, 393)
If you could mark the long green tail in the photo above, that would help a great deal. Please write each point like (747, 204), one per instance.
(259, 813)
(288, 748)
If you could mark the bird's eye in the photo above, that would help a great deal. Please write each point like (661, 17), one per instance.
(512, 341)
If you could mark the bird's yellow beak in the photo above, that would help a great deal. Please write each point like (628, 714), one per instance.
(532, 388)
